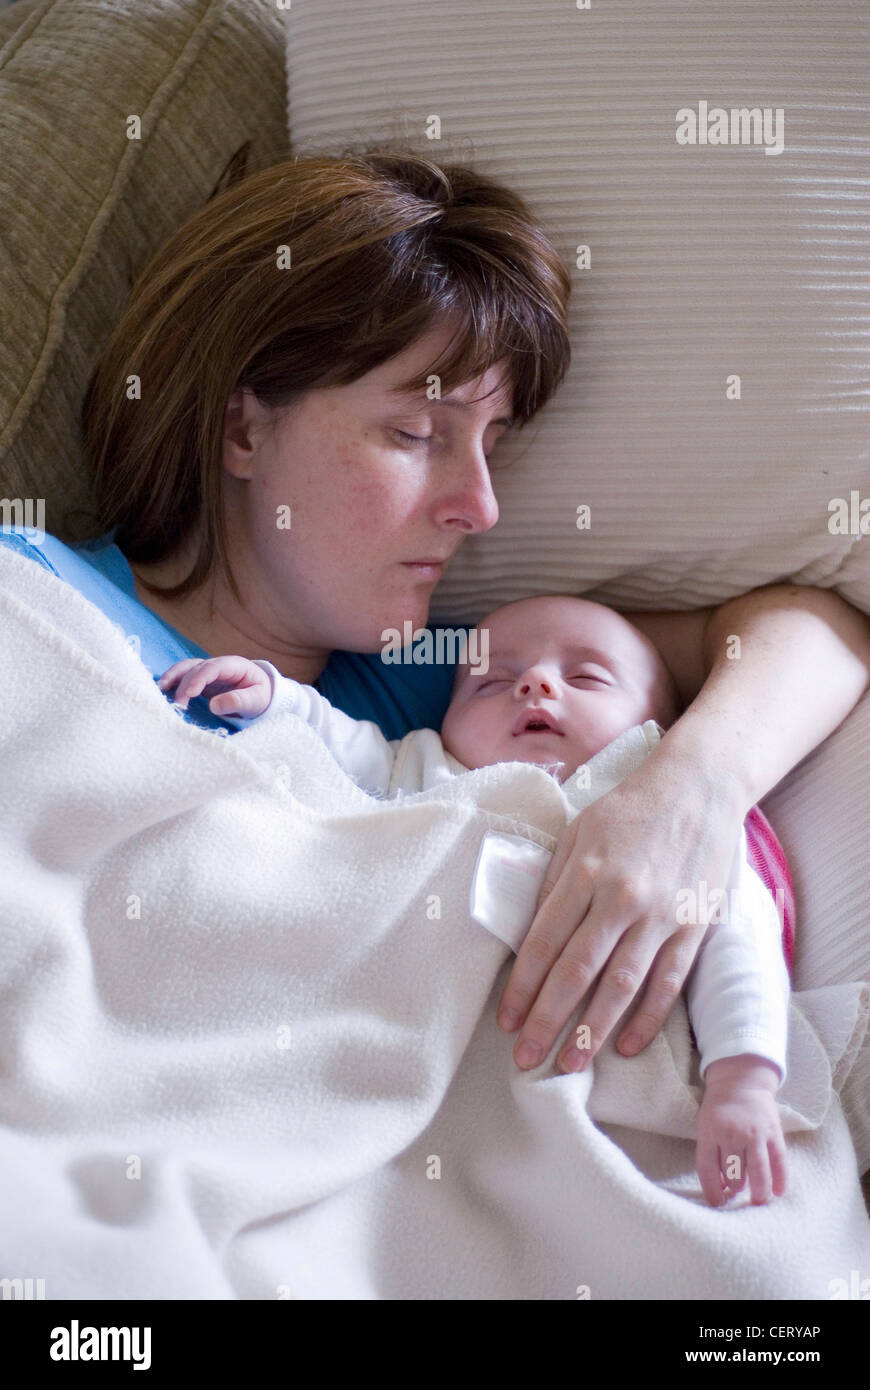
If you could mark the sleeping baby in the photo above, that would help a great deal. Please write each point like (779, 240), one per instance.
(573, 687)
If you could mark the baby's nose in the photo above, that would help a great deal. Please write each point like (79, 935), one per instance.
(534, 681)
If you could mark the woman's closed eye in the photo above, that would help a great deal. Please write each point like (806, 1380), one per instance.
(411, 439)
(418, 441)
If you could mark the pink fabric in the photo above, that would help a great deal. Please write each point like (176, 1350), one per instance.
(767, 857)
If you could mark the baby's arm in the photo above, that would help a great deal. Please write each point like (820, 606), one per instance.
(239, 690)
(738, 1002)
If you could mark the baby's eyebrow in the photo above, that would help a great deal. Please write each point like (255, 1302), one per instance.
(506, 657)
(583, 653)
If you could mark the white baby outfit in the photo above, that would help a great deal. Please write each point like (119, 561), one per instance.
(737, 992)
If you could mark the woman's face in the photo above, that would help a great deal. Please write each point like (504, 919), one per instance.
(381, 490)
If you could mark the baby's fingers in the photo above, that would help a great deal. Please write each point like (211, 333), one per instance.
(213, 671)
(778, 1164)
(758, 1163)
(245, 703)
(194, 683)
(173, 675)
(709, 1168)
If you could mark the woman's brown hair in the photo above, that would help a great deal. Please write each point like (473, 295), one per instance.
(382, 245)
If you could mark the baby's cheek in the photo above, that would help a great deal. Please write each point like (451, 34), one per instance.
(452, 732)
(602, 723)
(464, 735)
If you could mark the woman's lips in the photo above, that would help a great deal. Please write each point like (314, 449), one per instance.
(425, 569)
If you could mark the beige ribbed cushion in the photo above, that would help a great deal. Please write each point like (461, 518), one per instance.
(82, 207)
(705, 262)
(821, 812)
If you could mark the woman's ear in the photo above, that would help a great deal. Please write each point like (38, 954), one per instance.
(245, 419)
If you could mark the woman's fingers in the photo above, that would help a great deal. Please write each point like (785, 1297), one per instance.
(565, 978)
(561, 903)
(621, 983)
(587, 954)
(578, 932)
(670, 970)
(618, 985)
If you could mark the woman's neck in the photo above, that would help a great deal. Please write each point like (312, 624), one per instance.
(214, 619)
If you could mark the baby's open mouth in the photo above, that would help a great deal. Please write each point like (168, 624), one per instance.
(536, 721)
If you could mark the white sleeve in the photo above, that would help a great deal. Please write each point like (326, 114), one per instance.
(357, 745)
(738, 989)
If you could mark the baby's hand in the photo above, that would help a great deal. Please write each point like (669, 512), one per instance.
(238, 687)
(739, 1131)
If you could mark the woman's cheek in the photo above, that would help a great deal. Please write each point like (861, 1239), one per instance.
(369, 478)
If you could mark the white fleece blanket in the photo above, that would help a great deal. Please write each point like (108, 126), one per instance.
(248, 1043)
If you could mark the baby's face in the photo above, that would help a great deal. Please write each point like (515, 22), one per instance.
(565, 677)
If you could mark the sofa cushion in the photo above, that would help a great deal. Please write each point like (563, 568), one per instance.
(82, 207)
(707, 262)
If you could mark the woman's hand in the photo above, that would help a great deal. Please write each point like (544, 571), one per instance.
(609, 902)
(232, 684)
(770, 675)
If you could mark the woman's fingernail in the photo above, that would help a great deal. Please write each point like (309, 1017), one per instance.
(508, 1020)
(572, 1060)
(528, 1054)
(631, 1043)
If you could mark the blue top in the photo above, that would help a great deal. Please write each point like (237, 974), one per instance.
(397, 697)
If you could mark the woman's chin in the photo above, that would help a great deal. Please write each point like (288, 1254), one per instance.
(385, 634)
(408, 617)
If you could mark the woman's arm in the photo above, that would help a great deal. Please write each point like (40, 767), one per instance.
(784, 665)
(800, 665)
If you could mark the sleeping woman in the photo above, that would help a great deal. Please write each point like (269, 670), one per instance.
(290, 432)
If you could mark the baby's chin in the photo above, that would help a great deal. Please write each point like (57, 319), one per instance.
(544, 752)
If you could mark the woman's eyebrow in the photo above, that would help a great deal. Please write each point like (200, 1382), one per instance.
(413, 399)
(506, 420)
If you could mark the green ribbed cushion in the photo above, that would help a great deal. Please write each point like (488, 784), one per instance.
(82, 207)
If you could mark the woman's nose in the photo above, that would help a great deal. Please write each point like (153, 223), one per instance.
(471, 503)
